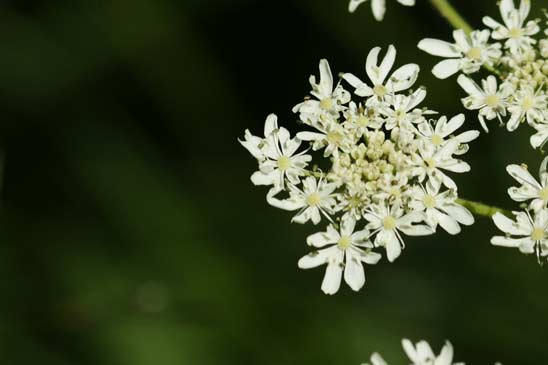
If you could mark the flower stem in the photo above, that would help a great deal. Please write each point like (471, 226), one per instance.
(482, 209)
(451, 15)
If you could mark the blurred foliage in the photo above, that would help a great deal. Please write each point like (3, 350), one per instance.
(131, 233)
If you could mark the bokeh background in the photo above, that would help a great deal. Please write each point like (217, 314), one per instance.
(130, 233)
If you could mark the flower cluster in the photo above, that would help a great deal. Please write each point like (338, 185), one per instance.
(422, 354)
(377, 6)
(379, 170)
(515, 52)
(529, 230)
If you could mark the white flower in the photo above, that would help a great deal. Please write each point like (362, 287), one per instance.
(382, 85)
(491, 101)
(441, 208)
(468, 53)
(443, 130)
(377, 6)
(527, 104)
(360, 119)
(387, 221)
(346, 252)
(530, 188)
(315, 199)
(329, 101)
(526, 233)
(279, 159)
(402, 109)
(515, 30)
(253, 143)
(431, 160)
(332, 137)
(422, 353)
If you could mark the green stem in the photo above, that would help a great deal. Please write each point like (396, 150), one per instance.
(451, 15)
(482, 209)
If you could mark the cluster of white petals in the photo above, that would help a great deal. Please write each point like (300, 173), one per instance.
(528, 231)
(378, 7)
(422, 354)
(515, 51)
(374, 167)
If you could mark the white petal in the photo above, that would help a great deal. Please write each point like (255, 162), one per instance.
(446, 355)
(332, 279)
(438, 47)
(403, 78)
(446, 68)
(270, 125)
(316, 258)
(322, 239)
(469, 86)
(523, 176)
(354, 5)
(353, 272)
(379, 8)
(326, 78)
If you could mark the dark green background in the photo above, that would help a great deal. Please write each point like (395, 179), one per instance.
(131, 234)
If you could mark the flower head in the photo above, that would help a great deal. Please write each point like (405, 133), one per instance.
(366, 159)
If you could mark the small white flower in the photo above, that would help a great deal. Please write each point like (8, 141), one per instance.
(315, 199)
(468, 53)
(431, 161)
(346, 252)
(530, 188)
(441, 208)
(489, 100)
(377, 6)
(387, 221)
(443, 130)
(422, 353)
(401, 110)
(332, 137)
(280, 160)
(382, 85)
(528, 105)
(329, 100)
(360, 119)
(253, 143)
(526, 233)
(515, 30)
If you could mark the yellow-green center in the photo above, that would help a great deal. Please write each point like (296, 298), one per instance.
(379, 90)
(429, 201)
(430, 162)
(284, 163)
(313, 199)
(437, 139)
(515, 33)
(527, 103)
(400, 114)
(334, 137)
(538, 234)
(543, 194)
(344, 242)
(474, 53)
(326, 104)
(363, 121)
(492, 100)
(389, 223)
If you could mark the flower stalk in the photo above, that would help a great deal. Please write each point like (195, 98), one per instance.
(481, 209)
(451, 15)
